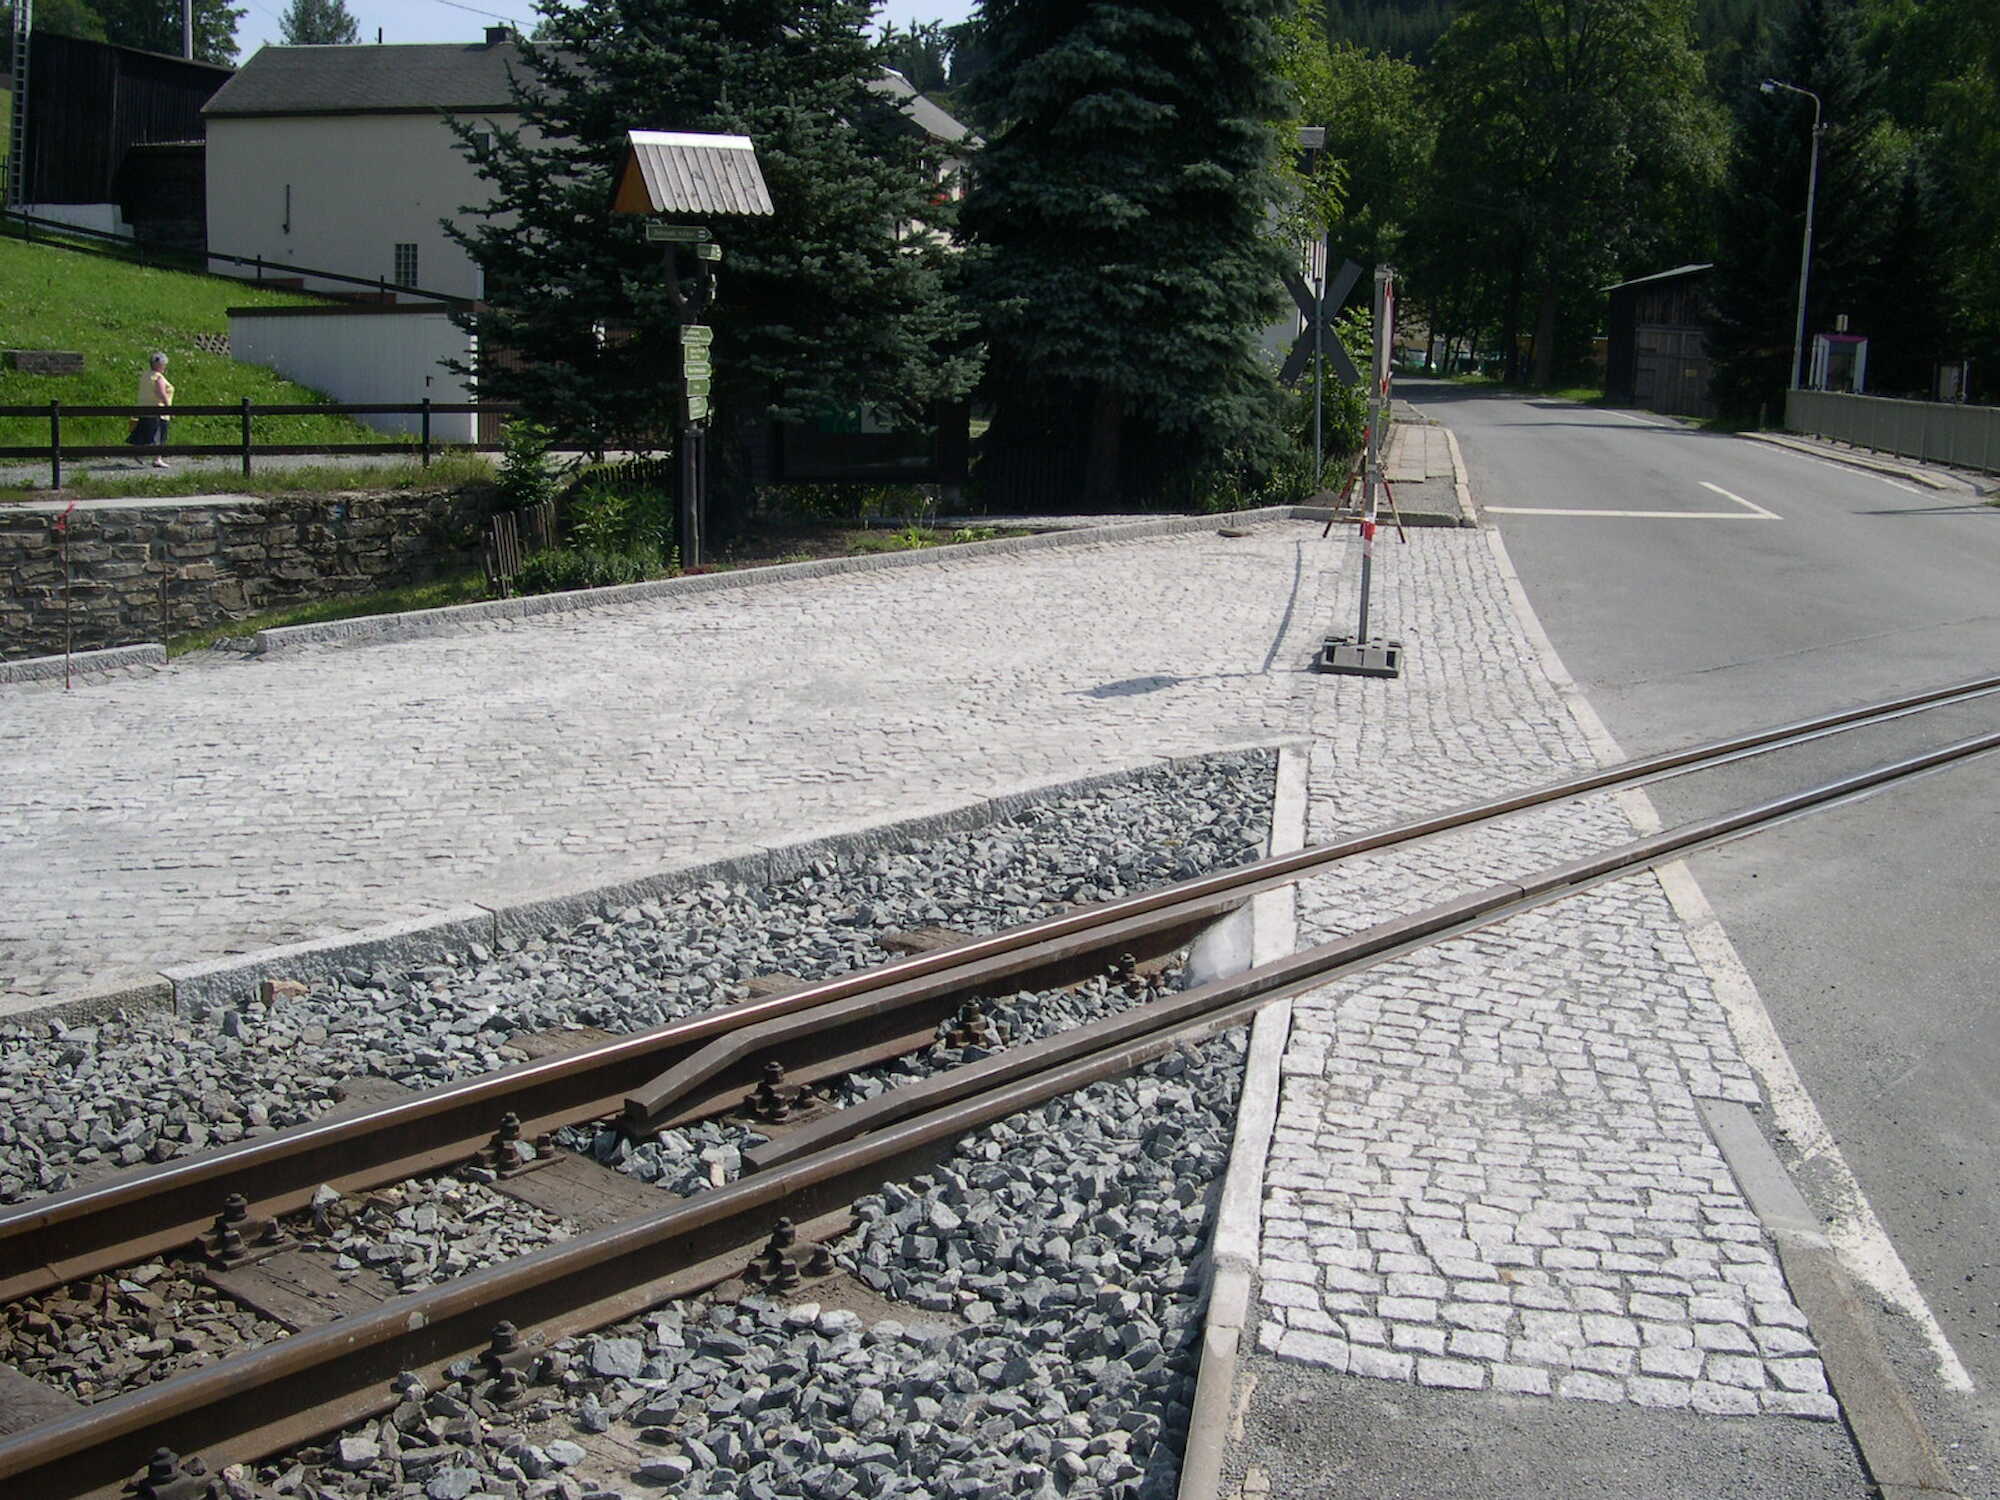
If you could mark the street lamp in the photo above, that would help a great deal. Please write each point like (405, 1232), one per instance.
(1773, 86)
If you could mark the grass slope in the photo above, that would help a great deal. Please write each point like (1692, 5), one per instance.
(117, 314)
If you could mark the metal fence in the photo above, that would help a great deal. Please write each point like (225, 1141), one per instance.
(420, 447)
(1943, 432)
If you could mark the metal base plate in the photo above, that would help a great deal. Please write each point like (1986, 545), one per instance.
(1374, 657)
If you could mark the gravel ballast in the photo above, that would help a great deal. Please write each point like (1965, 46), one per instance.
(79, 1101)
(1047, 1271)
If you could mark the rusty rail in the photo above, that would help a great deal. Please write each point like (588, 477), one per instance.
(93, 1228)
(322, 1377)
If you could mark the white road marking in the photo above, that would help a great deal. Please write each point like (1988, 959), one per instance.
(1750, 512)
(1642, 421)
(1747, 504)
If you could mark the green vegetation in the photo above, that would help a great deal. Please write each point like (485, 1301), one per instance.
(447, 471)
(116, 314)
(836, 299)
(1121, 263)
(464, 588)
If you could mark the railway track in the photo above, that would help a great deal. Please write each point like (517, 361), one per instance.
(761, 1054)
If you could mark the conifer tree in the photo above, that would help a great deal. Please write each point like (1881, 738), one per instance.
(1763, 216)
(835, 300)
(1125, 264)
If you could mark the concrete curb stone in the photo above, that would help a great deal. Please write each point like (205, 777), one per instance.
(232, 979)
(111, 659)
(370, 629)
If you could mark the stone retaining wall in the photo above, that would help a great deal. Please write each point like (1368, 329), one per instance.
(144, 570)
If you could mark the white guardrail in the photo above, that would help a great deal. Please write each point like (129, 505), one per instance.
(1968, 436)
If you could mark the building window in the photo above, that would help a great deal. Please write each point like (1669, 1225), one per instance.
(406, 265)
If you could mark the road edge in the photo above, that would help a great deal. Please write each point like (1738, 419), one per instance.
(1857, 1244)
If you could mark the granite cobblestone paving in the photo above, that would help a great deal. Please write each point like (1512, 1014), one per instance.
(227, 804)
(1488, 1171)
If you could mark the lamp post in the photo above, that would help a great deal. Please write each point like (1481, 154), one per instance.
(1773, 86)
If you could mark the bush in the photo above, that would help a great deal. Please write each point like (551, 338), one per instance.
(560, 569)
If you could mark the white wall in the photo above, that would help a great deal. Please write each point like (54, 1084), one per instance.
(366, 356)
(107, 218)
(358, 184)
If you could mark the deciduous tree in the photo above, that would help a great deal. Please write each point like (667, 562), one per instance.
(1585, 126)
(318, 23)
(156, 26)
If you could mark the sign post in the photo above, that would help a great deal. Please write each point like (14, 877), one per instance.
(687, 175)
(1360, 654)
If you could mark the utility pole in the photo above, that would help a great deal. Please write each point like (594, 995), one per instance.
(1773, 86)
(187, 29)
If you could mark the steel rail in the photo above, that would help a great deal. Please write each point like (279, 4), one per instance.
(565, 1287)
(48, 1241)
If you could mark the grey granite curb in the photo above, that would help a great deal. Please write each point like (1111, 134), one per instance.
(229, 980)
(42, 668)
(1234, 1242)
(1855, 458)
(416, 625)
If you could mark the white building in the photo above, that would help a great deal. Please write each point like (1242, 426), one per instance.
(340, 159)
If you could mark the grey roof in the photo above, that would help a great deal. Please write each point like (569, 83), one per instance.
(687, 174)
(402, 79)
(1687, 270)
(919, 107)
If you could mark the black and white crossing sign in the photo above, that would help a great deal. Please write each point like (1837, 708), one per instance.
(1319, 327)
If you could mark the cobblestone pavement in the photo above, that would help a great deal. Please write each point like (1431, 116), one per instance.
(1488, 1170)
(223, 804)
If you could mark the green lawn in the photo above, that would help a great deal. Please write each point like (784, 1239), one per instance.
(117, 314)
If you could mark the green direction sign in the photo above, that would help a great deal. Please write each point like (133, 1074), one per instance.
(707, 251)
(697, 408)
(696, 334)
(697, 385)
(676, 234)
(697, 366)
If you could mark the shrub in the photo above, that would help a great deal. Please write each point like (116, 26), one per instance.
(527, 476)
(563, 568)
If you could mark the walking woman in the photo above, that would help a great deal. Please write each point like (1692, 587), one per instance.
(156, 392)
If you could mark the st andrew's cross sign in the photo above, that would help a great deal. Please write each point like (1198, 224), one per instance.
(1319, 330)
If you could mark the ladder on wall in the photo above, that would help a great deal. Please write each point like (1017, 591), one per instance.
(17, 131)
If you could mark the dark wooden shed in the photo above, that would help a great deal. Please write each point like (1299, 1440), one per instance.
(90, 102)
(1656, 342)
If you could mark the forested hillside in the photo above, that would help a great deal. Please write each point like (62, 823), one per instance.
(1408, 28)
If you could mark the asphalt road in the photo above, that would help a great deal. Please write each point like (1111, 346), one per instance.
(1873, 930)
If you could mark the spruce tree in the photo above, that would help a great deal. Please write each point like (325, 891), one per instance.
(1763, 217)
(318, 23)
(1124, 259)
(835, 300)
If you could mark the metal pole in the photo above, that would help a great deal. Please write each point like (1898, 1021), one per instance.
(1772, 86)
(1319, 364)
(1378, 418)
(246, 437)
(427, 432)
(55, 445)
(187, 29)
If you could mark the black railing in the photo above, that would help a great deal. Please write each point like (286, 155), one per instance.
(421, 444)
(196, 261)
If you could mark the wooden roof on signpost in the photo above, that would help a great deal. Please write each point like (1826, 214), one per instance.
(687, 175)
